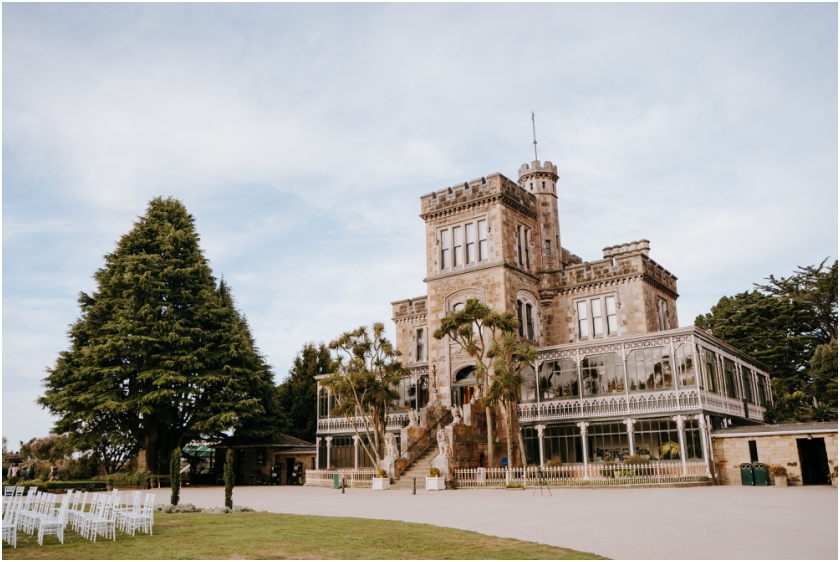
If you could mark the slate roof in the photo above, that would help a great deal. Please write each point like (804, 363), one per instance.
(817, 427)
(281, 440)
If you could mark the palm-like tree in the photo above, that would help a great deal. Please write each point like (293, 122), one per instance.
(474, 329)
(510, 358)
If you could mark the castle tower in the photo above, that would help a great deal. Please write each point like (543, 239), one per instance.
(540, 180)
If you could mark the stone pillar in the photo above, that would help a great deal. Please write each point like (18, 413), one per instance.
(583, 426)
(701, 422)
(540, 429)
(681, 431)
(317, 453)
(329, 444)
(355, 452)
(630, 422)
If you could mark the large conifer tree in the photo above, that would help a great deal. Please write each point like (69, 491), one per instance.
(160, 355)
(298, 394)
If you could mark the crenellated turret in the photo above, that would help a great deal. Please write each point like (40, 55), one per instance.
(540, 179)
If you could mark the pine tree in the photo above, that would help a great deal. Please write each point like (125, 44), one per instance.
(160, 355)
(298, 394)
(175, 475)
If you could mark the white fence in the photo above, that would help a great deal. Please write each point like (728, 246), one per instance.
(578, 475)
(396, 420)
(352, 478)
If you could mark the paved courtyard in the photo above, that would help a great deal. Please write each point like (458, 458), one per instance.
(664, 523)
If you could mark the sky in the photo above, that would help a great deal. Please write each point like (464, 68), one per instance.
(301, 136)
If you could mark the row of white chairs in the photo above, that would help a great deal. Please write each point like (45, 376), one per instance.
(106, 512)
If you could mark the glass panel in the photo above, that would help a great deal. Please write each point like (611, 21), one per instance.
(529, 320)
(746, 379)
(729, 372)
(693, 445)
(685, 365)
(457, 246)
(709, 370)
(470, 257)
(562, 443)
(608, 442)
(527, 249)
(482, 240)
(519, 244)
(649, 369)
(602, 374)
(612, 317)
(657, 439)
(529, 385)
(559, 379)
(583, 325)
(519, 317)
(597, 325)
(444, 249)
(762, 391)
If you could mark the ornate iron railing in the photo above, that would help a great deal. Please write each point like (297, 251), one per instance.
(396, 420)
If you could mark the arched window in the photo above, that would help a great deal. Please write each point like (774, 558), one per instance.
(464, 386)
(526, 312)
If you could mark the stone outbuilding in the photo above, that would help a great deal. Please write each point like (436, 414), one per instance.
(808, 451)
(268, 463)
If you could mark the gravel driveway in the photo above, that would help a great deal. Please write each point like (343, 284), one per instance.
(662, 523)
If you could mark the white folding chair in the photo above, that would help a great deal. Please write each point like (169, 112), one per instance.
(54, 525)
(8, 491)
(142, 519)
(104, 524)
(10, 520)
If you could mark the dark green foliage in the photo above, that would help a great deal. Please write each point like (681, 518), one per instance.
(297, 395)
(160, 355)
(55, 449)
(366, 376)
(175, 475)
(230, 479)
(783, 324)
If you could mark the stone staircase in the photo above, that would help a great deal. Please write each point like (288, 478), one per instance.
(418, 469)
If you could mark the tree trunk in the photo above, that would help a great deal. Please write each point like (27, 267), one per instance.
(151, 448)
(491, 446)
(515, 418)
(508, 435)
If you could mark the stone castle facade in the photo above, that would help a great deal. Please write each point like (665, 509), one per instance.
(615, 376)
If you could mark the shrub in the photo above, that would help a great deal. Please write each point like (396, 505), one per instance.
(183, 508)
(382, 473)
(235, 509)
(636, 459)
(434, 472)
(554, 462)
(153, 481)
(118, 479)
(778, 470)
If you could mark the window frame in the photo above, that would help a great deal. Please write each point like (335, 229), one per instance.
(456, 251)
(603, 317)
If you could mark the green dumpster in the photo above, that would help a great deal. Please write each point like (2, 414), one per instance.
(747, 474)
(335, 481)
(760, 475)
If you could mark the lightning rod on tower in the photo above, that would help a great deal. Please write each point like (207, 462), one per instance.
(534, 129)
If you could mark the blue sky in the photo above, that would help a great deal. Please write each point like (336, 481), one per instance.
(302, 136)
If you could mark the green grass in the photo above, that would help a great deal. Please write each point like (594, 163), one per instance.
(274, 535)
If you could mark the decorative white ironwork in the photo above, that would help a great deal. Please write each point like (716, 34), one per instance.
(640, 403)
(351, 478)
(582, 475)
(342, 425)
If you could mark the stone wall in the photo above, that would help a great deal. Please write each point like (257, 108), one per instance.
(730, 452)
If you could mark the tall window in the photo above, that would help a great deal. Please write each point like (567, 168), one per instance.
(523, 251)
(662, 314)
(525, 314)
(762, 391)
(746, 379)
(444, 249)
(708, 361)
(470, 254)
(649, 369)
(457, 246)
(528, 390)
(463, 244)
(324, 403)
(559, 379)
(602, 374)
(729, 372)
(597, 317)
(685, 365)
(548, 248)
(421, 344)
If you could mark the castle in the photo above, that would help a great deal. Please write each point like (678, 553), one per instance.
(615, 375)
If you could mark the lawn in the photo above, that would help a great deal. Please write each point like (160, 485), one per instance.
(273, 535)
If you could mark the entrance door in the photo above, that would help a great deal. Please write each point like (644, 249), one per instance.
(814, 461)
(290, 468)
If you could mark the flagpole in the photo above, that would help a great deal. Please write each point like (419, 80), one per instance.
(534, 129)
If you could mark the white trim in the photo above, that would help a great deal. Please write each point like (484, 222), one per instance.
(782, 432)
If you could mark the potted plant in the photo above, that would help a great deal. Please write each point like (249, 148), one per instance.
(109, 482)
(381, 481)
(153, 481)
(435, 480)
(779, 474)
